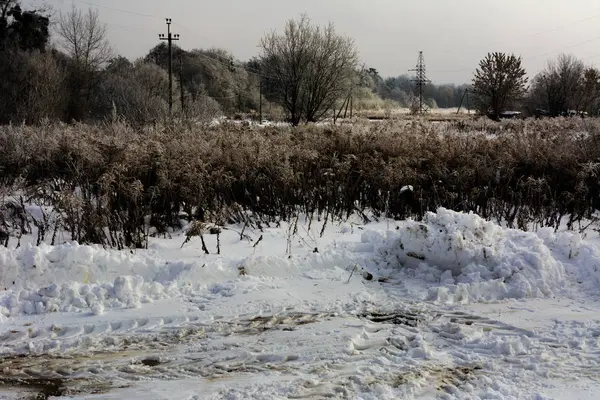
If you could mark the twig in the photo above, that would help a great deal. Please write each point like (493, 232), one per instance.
(258, 241)
(242, 235)
(325, 222)
(352, 272)
(204, 244)
(243, 228)
(256, 244)
(218, 243)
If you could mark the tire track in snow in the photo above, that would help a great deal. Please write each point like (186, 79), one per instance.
(329, 355)
(93, 357)
(457, 352)
(123, 334)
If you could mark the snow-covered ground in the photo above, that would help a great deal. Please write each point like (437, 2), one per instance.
(452, 307)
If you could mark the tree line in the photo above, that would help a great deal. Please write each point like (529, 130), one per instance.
(566, 86)
(302, 74)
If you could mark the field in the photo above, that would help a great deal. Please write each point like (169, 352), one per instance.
(403, 259)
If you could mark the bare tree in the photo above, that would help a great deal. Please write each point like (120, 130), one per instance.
(560, 84)
(311, 68)
(83, 37)
(499, 81)
(121, 95)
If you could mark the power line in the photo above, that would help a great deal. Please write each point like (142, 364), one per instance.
(563, 26)
(562, 49)
(538, 33)
(591, 57)
(249, 70)
(117, 9)
(127, 28)
(527, 58)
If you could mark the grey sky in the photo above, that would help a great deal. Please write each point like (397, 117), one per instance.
(454, 35)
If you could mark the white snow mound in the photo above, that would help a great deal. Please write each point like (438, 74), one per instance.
(471, 259)
(581, 257)
(81, 278)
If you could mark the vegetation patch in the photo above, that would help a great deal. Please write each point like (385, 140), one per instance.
(118, 186)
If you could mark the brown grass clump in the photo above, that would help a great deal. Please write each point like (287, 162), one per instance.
(115, 186)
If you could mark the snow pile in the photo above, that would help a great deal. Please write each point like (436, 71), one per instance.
(471, 259)
(81, 278)
(581, 257)
(124, 292)
(76, 278)
(31, 266)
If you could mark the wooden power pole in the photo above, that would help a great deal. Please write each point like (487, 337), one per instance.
(169, 38)
(466, 93)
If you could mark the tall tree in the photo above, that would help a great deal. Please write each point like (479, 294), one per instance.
(23, 29)
(83, 37)
(590, 100)
(32, 87)
(499, 82)
(560, 84)
(312, 67)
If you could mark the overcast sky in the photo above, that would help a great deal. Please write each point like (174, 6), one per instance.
(453, 34)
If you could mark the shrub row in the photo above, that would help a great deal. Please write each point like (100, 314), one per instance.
(110, 184)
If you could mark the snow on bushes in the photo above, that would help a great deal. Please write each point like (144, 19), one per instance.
(471, 259)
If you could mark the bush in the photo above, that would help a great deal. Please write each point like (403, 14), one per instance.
(115, 185)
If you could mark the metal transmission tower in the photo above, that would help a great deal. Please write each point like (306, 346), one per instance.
(420, 81)
(169, 38)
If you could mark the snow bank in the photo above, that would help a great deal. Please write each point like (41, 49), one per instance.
(124, 292)
(470, 259)
(449, 257)
(81, 278)
(73, 277)
(581, 257)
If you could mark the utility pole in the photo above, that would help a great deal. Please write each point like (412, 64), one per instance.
(169, 38)
(465, 93)
(420, 81)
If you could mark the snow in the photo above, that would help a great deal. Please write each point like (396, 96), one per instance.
(474, 259)
(451, 307)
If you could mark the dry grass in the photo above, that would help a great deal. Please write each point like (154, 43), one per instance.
(111, 183)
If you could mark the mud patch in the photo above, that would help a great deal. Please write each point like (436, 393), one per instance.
(447, 379)
(486, 324)
(150, 362)
(453, 379)
(285, 322)
(96, 364)
(39, 388)
(43, 388)
(407, 318)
